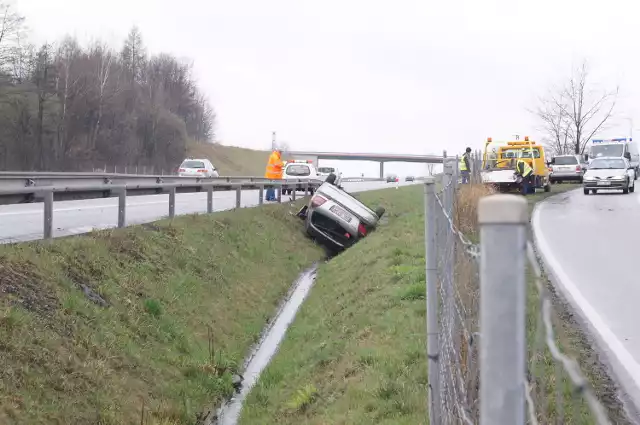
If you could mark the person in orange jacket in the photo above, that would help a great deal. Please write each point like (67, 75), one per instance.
(274, 171)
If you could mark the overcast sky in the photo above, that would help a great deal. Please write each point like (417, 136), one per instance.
(404, 76)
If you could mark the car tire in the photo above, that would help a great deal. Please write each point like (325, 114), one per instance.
(625, 191)
(331, 178)
(380, 212)
(632, 189)
(594, 191)
(585, 191)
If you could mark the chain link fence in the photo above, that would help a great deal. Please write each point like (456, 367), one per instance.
(494, 355)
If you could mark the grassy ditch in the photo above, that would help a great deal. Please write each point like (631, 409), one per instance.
(356, 351)
(144, 325)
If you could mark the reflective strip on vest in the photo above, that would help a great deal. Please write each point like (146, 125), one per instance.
(462, 165)
(527, 169)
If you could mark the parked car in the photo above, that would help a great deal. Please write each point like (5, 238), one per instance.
(609, 173)
(567, 168)
(197, 168)
(336, 219)
(392, 178)
(298, 169)
(409, 179)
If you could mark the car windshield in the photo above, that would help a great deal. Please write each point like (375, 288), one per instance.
(607, 164)
(298, 170)
(520, 153)
(566, 160)
(606, 150)
(326, 170)
(192, 164)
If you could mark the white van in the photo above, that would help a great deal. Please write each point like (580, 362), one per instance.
(298, 169)
(622, 147)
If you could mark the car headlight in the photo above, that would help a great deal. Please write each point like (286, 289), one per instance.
(589, 178)
(621, 177)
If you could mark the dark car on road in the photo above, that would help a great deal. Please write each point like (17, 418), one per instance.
(392, 178)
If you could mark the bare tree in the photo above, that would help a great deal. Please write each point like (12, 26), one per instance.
(576, 111)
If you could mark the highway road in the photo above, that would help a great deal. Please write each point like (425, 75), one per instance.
(24, 222)
(589, 246)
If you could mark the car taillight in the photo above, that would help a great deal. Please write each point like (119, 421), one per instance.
(362, 230)
(578, 169)
(317, 200)
(181, 170)
(201, 170)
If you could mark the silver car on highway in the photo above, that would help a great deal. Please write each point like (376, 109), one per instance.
(609, 173)
(336, 219)
(567, 168)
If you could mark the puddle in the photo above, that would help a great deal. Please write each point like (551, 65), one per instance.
(260, 357)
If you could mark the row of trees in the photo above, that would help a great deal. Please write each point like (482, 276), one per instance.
(67, 107)
(572, 113)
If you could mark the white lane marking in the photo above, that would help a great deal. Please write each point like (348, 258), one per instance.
(623, 356)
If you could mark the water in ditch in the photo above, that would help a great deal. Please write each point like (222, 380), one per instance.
(229, 413)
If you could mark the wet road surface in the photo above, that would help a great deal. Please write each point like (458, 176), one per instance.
(590, 244)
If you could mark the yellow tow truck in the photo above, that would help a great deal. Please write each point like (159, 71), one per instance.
(499, 163)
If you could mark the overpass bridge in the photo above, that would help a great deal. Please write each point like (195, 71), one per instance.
(375, 157)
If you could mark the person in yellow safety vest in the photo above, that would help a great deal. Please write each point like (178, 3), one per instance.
(274, 171)
(524, 170)
(465, 166)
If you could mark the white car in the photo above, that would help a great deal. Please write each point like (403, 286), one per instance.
(609, 173)
(323, 173)
(197, 168)
(298, 169)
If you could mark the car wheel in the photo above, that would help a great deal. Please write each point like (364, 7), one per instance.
(626, 189)
(594, 191)
(585, 191)
(632, 189)
(380, 211)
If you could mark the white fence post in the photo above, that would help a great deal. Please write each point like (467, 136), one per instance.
(433, 351)
(503, 242)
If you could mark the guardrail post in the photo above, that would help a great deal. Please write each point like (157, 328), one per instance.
(433, 350)
(503, 241)
(306, 188)
(238, 196)
(279, 193)
(172, 202)
(122, 207)
(293, 192)
(261, 195)
(48, 214)
(210, 199)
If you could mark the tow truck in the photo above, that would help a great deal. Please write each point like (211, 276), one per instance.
(499, 164)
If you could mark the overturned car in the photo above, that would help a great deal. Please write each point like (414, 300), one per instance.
(336, 219)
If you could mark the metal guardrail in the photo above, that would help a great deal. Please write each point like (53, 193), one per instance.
(42, 190)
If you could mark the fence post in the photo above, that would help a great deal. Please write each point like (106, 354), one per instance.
(279, 193)
(306, 187)
(238, 196)
(48, 214)
(433, 350)
(503, 239)
(210, 199)
(122, 207)
(172, 202)
(293, 192)
(261, 195)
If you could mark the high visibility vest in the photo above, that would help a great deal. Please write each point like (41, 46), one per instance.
(274, 167)
(526, 169)
(463, 165)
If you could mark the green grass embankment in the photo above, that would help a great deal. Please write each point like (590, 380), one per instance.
(183, 301)
(356, 351)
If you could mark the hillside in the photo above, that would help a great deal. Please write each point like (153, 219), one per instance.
(231, 160)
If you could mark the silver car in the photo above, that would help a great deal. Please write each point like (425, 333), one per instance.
(336, 219)
(567, 168)
(609, 173)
